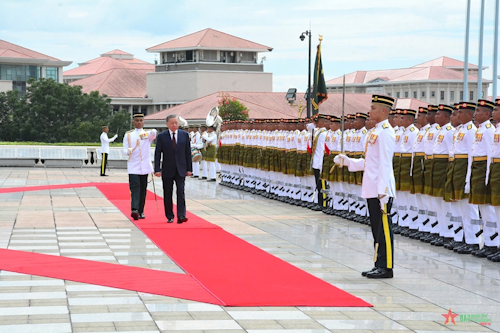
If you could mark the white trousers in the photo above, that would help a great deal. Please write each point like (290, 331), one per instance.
(196, 169)
(211, 170)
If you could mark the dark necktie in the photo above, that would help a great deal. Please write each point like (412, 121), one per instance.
(173, 141)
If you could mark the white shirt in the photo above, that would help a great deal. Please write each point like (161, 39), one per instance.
(138, 150)
(318, 153)
(172, 137)
(105, 142)
(378, 177)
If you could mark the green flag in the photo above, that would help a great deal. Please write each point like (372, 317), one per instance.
(319, 88)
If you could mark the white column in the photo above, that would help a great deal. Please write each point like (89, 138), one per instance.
(419, 92)
(447, 96)
(42, 74)
(60, 74)
(428, 93)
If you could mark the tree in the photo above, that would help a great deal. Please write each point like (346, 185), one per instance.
(232, 109)
(55, 112)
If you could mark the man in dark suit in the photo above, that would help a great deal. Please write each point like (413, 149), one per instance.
(175, 146)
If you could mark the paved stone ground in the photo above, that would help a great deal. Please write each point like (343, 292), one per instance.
(81, 223)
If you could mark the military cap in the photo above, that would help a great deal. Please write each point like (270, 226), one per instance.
(456, 106)
(408, 112)
(432, 108)
(334, 119)
(467, 106)
(422, 110)
(138, 114)
(382, 99)
(361, 115)
(301, 120)
(104, 126)
(485, 103)
(446, 108)
(497, 101)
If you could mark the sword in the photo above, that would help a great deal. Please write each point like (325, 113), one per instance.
(154, 189)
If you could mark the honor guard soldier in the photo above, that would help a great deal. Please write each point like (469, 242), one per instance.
(417, 172)
(494, 187)
(462, 213)
(197, 143)
(332, 171)
(105, 148)
(440, 160)
(359, 143)
(407, 215)
(477, 183)
(210, 138)
(317, 154)
(396, 160)
(378, 184)
(137, 146)
(429, 139)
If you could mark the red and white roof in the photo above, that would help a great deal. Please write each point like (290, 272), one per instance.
(116, 82)
(273, 105)
(209, 39)
(105, 63)
(15, 54)
(443, 68)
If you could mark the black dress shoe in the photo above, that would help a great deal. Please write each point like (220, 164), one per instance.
(142, 216)
(170, 220)
(380, 273)
(203, 177)
(458, 246)
(212, 180)
(486, 251)
(493, 254)
(104, 175)
(182, 219)
(468, 249)
(371, 270)
(496, 258)
(316, 208)
(135, 215)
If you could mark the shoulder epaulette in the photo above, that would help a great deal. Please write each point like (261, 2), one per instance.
(438, 127)
(412, 129)
(469, 127)
(448, 127)
(488, 125)
(364, 131)
(129, 131)
(385, 125)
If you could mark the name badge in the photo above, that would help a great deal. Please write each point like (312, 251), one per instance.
(397, 138)
(420, 137)
(496, 138)
(372, 139)
(430, 136)
(440, 138)
(406, 139)
(460, 136)
(479, 137)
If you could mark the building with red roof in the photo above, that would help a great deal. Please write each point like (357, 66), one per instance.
(205, 62)
(118, 75)
(438, 81)
(18, 64)
(271, 105)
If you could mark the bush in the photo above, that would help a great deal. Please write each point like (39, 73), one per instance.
(232, 109)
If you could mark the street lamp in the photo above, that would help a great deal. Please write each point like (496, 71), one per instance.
(302, 37)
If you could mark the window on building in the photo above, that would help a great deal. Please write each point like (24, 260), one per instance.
(461, 95)
(452, 95)
(471, 95)
(144, 110)
(423, 93)
(209, 55)
(135, 109)
(406, 94)
(414, 94)
(441, 97)
(247, 57)
(19, 74)
(433, 94)
(398, 94)
(52, 73)
(389, 94)
(483, 94)
(158, 107)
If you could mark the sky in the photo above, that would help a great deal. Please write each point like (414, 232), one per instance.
(357, 34)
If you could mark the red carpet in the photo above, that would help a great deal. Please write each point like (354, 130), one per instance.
(229, 270)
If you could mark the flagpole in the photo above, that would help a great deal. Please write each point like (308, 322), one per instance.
(342, 123)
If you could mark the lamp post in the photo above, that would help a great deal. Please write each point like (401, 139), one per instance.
(309, 92)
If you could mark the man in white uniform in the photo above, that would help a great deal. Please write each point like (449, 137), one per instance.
(378, 184)
(137, 146)
(105, 149)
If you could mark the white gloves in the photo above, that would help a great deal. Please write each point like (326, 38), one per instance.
(467, 188)
(129, 151)
(337, 159)
(383, 201)
(310, 126)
